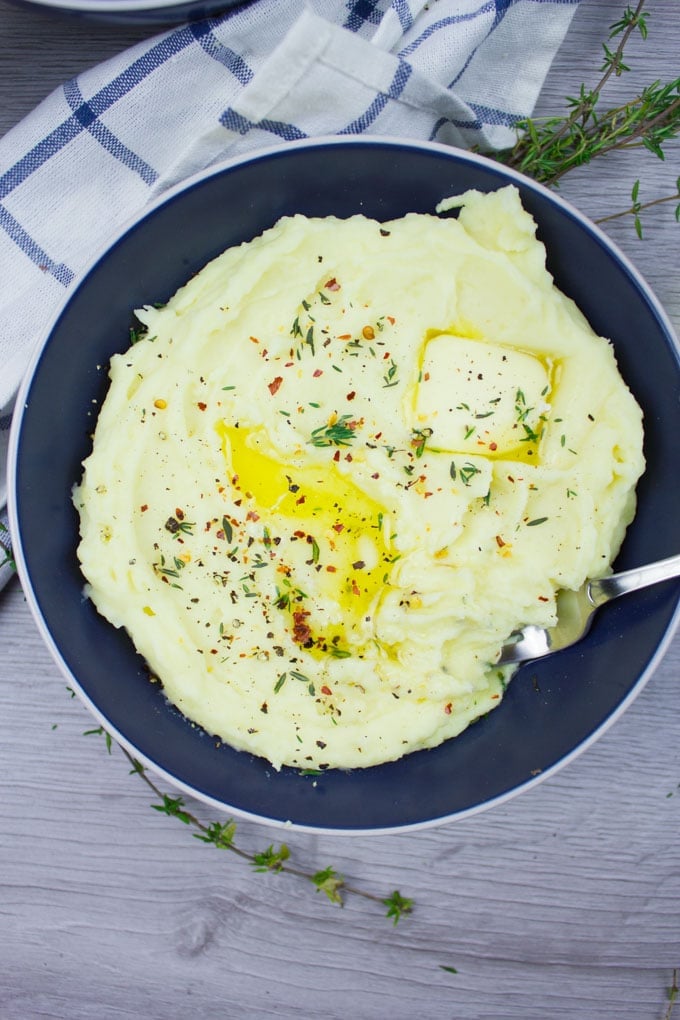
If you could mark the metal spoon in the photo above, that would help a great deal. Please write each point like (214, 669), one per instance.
(575, 611)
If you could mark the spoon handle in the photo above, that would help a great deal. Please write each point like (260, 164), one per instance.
(605, 588)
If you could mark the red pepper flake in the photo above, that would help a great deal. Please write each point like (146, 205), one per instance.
(426, 377)
(179, 513)
(144, 507)
(300, 500)
(336, 456)
(332, 284)
(254, 339)
(355, 588)
(301, 630)
(391, 319)
(499, 542)
(331, 569)
(273, 386)
(326, 690)
(317, 372)
(345, 336)
(352, 395)
(299, 534)
(376, 475)
(201, 406)
(252, 515)
(543, 598)
(349, 458)
(338, 527)
(493, 446)
(448, 708)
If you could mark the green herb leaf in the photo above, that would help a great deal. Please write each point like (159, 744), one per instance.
(330, 883)
(340, 433)
(397, 906)
(271, 859)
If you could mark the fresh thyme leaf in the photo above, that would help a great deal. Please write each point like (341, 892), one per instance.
(137, 332)
(339, 653)
(220, 834)
(397, 906)
(100, 732)
(280, 682)
(339, 433)
(271, 859)
(467, 472)
(227, 529)
(329, 882)
(419, 438)
(173, 806)
(389, 377)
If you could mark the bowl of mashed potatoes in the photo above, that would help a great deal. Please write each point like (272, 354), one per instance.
(338, 419)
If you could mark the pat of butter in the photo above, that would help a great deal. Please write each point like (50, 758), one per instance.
(505, 391)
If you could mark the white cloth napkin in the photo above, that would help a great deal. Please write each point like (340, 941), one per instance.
(100, 147)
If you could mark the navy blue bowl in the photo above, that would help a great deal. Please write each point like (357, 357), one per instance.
(133, 12)
(553, 708)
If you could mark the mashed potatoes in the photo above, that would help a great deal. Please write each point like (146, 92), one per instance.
(342, 465)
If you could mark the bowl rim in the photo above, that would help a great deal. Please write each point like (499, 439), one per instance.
(125, 6)
(221, 167)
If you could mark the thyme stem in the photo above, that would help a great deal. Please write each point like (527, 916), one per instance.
(634, 209)
(548, 148)
(221, 835)
(584, 109)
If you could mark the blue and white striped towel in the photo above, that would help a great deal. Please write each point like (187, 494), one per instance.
(99, 148)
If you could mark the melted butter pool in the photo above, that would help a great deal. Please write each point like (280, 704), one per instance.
(344, 533)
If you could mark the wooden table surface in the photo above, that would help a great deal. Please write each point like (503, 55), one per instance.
(564, 902)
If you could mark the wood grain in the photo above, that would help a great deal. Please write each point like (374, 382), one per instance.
(564, 902)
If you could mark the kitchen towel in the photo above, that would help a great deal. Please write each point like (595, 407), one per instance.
(96, 151)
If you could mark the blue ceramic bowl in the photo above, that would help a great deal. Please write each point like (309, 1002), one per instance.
(553, 708)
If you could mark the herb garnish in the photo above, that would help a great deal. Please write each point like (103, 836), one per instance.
(339, 433)
(389, 377)
(419, 438)
(547, 148)
(466, 472)
(222, 835)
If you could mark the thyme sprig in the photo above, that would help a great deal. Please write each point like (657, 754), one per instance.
(636, 207)
(273, 859)
(548, 148)
(337, 433)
